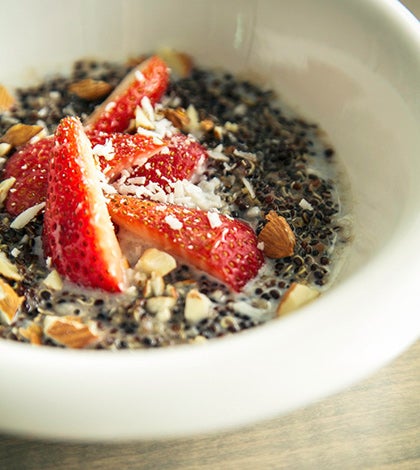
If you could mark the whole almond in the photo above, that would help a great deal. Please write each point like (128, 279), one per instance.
(89, 89)
(277, 237)
(20, 134)
(6, 99)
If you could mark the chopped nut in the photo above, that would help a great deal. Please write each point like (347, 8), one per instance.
(20, 134)
(6, 99)
(179, 62)
(194, 123)
(171, 291)
(89, 89)
(277, 236)
(157, 284)
(218, 132)
(159, 304)
(157, 261)
(296, 296)
(53, 280)
(8, 269)
(207, 125)
(33, 333)
(143, 120)
(178, 117)
(197, 306)
(164, 315)
(5, 185)
(231, 126)
(199, 339)
(4, 149)
(9, 303)
(69, 332)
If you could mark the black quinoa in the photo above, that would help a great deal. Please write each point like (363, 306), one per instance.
(284, 172)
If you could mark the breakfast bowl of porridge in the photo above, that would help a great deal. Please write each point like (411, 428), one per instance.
(208, 211)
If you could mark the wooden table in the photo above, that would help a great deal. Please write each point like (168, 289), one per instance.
(373, 425)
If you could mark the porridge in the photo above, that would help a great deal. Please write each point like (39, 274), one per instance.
(187, 206)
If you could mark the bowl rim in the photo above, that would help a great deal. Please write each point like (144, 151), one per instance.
(381, 325)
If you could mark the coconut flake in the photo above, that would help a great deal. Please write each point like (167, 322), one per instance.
(173, 222)
(249, 188)
(214, 219)
(105, 150)
(139, 76)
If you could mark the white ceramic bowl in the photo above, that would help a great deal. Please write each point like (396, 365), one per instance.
(354, 67)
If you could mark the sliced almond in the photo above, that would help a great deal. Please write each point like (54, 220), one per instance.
(6, 99)
(33, 333)
(296, 296)
(89, 89)
(180, 63)
(5, 185)
(157, 261)
(277, 237)
(9, 303)
(20, 134)
(197, 306)
(26, 216)
(8, 269)
(69, 332)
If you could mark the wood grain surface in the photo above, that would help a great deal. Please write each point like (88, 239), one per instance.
(373, 425)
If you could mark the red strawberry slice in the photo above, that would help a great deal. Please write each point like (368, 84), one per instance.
(149, 79)
(29, 166)
(118, 151)
(182, 159)
(78, 234)
(222, 247)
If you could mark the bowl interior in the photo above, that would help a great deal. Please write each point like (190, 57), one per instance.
(353, 68)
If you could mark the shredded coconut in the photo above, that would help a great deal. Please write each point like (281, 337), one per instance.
(139, 76)
(105, 150)
(214, 219)
(249, 188)
(173, 222)
(217, 153)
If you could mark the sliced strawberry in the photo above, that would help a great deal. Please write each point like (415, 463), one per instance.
(182, 159)
(78, 234)
(222, 247)
(29, 166)
(118, 151)
(149, 79)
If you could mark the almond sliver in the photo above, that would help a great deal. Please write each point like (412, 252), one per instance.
(295, 297)
(68, 332)
(9, 303)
